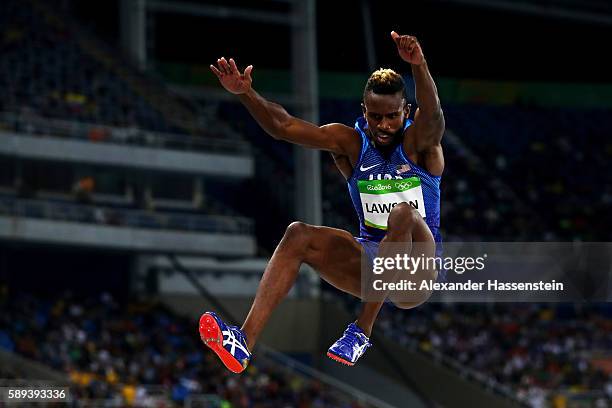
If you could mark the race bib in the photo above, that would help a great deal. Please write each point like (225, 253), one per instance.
(378, 197)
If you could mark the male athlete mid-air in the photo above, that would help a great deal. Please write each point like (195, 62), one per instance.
(383, 147)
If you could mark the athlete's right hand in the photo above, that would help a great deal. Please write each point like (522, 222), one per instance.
(231, 79)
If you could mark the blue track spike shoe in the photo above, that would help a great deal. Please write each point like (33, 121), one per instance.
(350, 346)
(228, 342)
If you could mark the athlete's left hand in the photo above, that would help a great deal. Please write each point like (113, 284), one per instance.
(408, 48)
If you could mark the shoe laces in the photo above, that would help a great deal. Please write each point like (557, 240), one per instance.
(238, 333)
(349, 338)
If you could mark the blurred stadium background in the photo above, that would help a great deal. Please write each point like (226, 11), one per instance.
(135, 194)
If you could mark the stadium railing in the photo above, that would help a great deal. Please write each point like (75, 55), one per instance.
(124, 217)
(40, 126)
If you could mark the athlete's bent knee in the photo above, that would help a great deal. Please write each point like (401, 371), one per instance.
(403, 217)
(297, 228)
(298, 233)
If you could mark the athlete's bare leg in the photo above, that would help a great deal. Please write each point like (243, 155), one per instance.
(333, 253)
(404, 226)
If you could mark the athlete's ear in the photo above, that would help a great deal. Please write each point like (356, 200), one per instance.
(407, 108)
(363, 109)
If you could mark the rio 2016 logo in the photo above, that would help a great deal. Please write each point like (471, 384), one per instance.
(379, 187)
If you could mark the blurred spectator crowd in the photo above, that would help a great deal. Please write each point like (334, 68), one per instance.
(43, 69)
(541, 353)
(142, 354)
(554, 159)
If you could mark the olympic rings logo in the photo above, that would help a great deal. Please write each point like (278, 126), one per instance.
(403, 186)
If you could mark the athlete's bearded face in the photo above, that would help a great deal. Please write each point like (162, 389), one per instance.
(385, 115)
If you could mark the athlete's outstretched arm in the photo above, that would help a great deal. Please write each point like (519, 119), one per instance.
(275, 120)
(429, 118)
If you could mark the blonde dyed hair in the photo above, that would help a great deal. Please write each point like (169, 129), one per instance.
(385, 81)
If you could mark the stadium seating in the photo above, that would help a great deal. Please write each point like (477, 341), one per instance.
(43, 69)
(134, 353)
(540, 355)
(57, 79)
(555, 159)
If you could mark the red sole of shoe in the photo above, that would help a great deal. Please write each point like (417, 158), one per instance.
(211, 335)
(339, 359)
